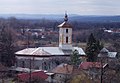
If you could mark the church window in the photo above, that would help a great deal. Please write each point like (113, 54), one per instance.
(66, 30)
(66, 39)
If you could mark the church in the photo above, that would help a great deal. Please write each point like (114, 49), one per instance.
(49, 57)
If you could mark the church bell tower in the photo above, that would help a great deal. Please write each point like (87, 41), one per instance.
(65, 35)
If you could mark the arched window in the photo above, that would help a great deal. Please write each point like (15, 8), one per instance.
(66, 30)
(66, 39)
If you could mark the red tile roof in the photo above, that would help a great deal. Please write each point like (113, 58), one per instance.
(63, 69)
(38, 74)
(87, 65)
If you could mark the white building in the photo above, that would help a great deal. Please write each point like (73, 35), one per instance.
(42, 57)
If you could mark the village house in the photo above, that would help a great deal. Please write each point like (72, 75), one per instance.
(25, 77)
(106, 55)
(93, 69)
(62, 73)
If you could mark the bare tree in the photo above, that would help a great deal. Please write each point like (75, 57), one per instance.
(7, 47)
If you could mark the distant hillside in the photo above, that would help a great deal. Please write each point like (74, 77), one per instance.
(72, 17)
(30, 16)
(35, 16)
(96, 18)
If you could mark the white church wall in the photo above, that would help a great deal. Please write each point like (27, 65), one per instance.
(42, 64)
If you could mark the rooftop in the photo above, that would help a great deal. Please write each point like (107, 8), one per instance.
(106, 53)
(48, 51)
(87, 65)
(63, 69)
(65, 25)
(38, 74)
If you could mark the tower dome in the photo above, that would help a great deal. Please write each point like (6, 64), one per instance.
(66, 17)
(65, 24)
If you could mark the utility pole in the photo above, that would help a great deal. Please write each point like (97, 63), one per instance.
(28, 38)
(30, 72)
(103, 55)
(30, 63)
(101, 72)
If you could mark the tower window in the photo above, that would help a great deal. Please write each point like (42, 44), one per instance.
(66, 39)
(66, 30)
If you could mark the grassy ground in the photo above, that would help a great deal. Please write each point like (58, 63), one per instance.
(7, 80)
(83, 45)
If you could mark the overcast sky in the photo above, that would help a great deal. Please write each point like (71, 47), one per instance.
(81, 7)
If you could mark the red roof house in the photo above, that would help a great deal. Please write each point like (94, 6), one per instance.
(38, 74)
(87, 65)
